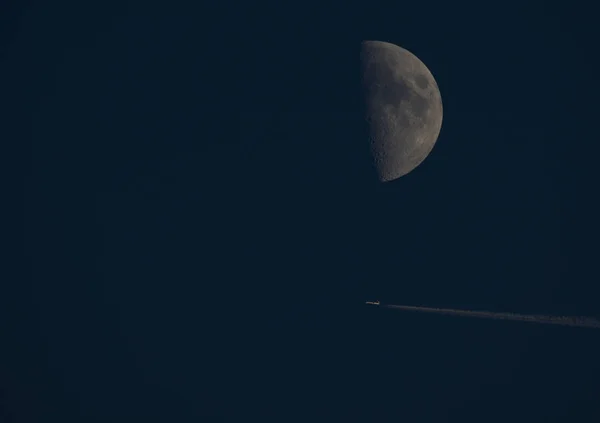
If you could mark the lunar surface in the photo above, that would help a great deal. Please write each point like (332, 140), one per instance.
(403, 107)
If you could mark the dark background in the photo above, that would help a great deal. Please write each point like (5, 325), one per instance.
(202, 225)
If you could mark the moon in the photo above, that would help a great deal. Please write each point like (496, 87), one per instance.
(403, 108)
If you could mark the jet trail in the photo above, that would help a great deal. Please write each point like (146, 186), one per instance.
(587, 322)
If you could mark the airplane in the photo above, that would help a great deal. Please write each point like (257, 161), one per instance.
(373, 302)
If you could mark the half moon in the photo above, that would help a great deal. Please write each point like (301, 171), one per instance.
(403, 108)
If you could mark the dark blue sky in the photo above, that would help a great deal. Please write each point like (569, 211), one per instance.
(202, 224)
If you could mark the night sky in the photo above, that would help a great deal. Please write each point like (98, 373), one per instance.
(202, 224)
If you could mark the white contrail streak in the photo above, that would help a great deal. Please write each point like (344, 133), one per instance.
(587, 322)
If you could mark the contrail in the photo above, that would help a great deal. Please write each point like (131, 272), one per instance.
(587, 322)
